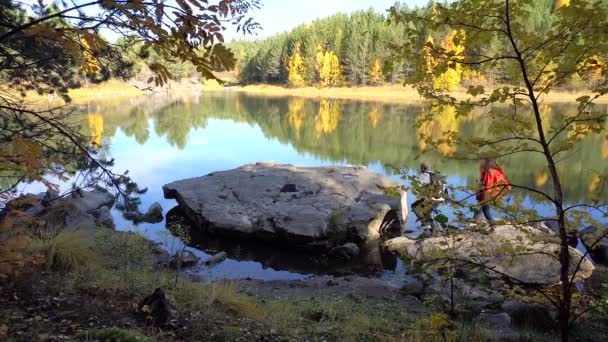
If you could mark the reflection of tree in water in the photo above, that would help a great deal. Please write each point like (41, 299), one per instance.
(443, 123)
(328, 117)
(347, 131)
(95, 128)
(541, 179)
(374, 115)
(138, 126)
(295, 115)
(176, 120)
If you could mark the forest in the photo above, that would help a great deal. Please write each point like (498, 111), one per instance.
(362, 49)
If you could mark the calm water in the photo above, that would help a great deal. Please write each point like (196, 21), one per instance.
(161, 139)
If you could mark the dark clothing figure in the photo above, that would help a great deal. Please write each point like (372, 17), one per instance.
(432, 190)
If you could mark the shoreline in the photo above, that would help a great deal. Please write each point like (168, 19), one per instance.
(385, 94)
(392, 94)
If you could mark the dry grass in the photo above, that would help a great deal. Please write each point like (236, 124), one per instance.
(395, 93)
(66, 249)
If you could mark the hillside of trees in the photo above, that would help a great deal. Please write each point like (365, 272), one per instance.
(359, 49)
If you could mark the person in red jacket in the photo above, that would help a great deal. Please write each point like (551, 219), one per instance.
(493, 185)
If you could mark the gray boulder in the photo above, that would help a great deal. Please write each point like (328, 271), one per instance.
(83, 210)
(527, 315)
(522, 253)
(297, 205)
(596, 242)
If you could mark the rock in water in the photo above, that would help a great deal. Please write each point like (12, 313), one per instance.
(297, 205)
(184, 259)
(596, 242)
(512, 251)
(216, 259)
(346, 251)
(153, 215)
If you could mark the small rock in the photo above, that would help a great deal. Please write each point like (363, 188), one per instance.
(347, 251)
(187, 259)
(153, 215)
(216, 259)
(332, 282)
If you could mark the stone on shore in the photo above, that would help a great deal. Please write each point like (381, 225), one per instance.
(294, 205)
(522, 253)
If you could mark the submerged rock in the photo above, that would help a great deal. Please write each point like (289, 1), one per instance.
(521, 253)
(296, 205)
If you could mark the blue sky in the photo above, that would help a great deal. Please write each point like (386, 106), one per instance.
(282, 15)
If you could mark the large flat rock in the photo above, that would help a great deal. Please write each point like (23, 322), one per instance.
(522, 253)
(287, 203)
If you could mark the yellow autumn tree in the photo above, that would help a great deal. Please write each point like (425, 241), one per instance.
(375, 72)
(90, 64)
(319, 57)
(296, 68)
(452, 46)
(331, 71)
(560, 3)
(427, 49)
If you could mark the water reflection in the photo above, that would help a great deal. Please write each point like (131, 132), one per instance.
(353, 132)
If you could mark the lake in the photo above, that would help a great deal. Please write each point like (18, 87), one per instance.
(160, 139)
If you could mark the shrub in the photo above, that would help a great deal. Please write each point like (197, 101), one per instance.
(65, 249)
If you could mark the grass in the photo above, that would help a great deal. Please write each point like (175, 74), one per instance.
(113, 335)
(66, 249)
(117, 267)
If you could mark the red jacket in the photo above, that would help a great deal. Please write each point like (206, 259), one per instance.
(491, 180)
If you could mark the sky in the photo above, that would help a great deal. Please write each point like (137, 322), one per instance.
(282, 15)
(277, 16)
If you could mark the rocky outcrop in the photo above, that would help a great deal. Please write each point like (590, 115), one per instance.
(296, 205)
(82, 210)
(517, 253)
